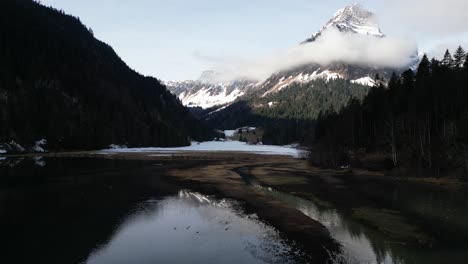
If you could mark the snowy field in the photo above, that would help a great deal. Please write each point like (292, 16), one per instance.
(229, 133)
(214, 146)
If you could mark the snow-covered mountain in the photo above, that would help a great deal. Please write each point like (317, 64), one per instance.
(206, 92)
(353, 19)
(308, 73)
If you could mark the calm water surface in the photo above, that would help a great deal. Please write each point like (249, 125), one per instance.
(103, 212)
(363, 244)
(192, 228)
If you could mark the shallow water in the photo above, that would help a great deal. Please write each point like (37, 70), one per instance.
(363, 244)
(103, 212)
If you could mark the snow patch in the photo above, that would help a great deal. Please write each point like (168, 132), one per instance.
(229, 133)
(114, 146)
(208, 94)
(353, 18)
(366, 81)
(215, 146)
(302, 78)
(219, 109)
(206, 99)
(40, 146)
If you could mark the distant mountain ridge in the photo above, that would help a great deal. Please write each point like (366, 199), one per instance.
(206, 92)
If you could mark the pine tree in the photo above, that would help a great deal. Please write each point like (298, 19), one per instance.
(466, 62)
(459, 57)
(447, 61)
(424, 67)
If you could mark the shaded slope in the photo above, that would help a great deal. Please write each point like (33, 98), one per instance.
(60, 83)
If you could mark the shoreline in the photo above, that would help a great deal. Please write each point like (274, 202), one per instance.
(443, 182)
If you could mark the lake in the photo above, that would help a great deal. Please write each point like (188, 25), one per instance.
(82, 210)
(104, 211)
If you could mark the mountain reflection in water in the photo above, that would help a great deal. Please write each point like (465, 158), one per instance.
(192, 228)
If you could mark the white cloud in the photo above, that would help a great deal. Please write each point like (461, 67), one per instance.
(332, 46)
(437, 24)
(437, 17)
(439, 50)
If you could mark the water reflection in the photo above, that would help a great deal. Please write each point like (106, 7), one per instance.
(365, 245)
(10, 162)
(192, 228)
(16, 161)
(109, 211)
(40, 161)
(355, 244)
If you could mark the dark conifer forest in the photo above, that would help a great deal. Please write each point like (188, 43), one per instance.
(59, 83)
(289, 115)
(415, 120)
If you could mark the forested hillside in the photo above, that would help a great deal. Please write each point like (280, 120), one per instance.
(59, 83)
(289, 115)
(418, 120)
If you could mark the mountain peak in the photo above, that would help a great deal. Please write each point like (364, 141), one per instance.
(353, 18)
(209, 76)
(352, 12)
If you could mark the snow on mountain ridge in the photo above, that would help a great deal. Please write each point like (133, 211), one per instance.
(366, 81)
(302, 77)
(353, 18)
(204, 94)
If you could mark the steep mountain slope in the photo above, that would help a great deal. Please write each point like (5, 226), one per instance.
(305, 74)
(354, 19)
(59, 83)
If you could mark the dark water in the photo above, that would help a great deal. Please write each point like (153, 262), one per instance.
(363, 244)
(102, 211)
(441, 213)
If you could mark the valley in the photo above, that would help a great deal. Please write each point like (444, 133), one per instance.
(345, 146)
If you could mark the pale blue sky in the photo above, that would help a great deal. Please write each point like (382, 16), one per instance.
(176, 39)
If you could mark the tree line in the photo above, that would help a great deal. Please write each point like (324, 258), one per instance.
(417, 119)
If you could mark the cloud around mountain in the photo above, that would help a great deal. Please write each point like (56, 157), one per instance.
(333, 46)
(431, 17)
